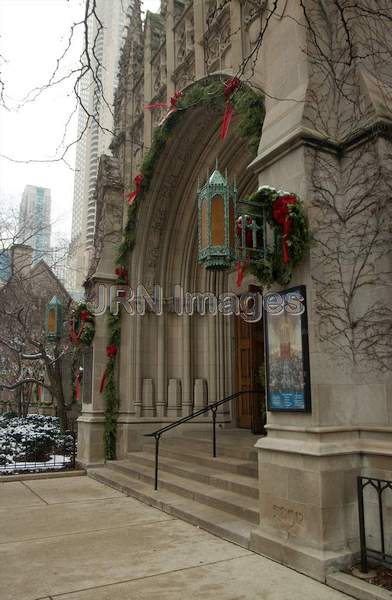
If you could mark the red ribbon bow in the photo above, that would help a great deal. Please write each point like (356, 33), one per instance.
(230, 87)
(84, 315)
(173, 100)
(241, 267)
(111, 352)
(281, 214)
(172, 105)
(122, 274)
(138, 183)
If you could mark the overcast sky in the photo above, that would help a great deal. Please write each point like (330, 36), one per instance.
(33, 33)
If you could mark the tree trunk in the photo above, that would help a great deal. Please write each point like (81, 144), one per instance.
(55, 377)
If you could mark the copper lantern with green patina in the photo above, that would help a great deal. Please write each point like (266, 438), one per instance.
(54, 320)
(216, 220)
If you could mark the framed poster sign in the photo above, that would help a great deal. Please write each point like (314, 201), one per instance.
(287, 351)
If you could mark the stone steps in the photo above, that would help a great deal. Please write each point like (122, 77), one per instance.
(218, 522)
(241, 484)
(218, 494)
(228, 501)
(169, 448)
(204, 444)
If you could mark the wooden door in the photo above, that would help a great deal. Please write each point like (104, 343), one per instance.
(250, 357)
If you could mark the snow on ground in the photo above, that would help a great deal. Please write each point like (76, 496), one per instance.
(33, 443)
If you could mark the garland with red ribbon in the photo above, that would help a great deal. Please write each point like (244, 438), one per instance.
(249, 107)
(287, 218)
(122, 275)
(230, 87)
(281, 213)
(172, 105)
(138, 188)
(111, 352)
(81, 326)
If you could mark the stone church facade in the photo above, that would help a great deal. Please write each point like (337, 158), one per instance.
(313, 139)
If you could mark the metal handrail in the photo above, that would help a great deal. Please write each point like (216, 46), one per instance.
(212, 407)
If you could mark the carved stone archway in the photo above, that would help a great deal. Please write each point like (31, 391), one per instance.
(170, 364)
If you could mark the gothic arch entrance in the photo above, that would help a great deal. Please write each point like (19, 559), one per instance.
(183, 360)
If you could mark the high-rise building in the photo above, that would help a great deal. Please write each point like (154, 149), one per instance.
(94, 135)
(58, 262)
(34, 221)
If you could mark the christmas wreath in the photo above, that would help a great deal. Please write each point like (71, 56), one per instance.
(81, 326)
(286, 216)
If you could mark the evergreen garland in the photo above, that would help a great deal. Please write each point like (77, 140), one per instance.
(271, 268)
(81, 326)
(249, 110)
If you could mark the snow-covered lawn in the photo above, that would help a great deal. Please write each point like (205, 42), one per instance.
(33, 443)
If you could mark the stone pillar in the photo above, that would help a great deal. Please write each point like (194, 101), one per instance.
(198, 16)
(138, 377)
(236, 9)
(174, 399)
(91, 447)
(147, 85)
(308, 463)
(148, 407)
(161, 366)
(91, 422)
(170, 49)
(200, 394)
(187, 399)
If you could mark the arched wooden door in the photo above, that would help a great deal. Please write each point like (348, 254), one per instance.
(250, 369)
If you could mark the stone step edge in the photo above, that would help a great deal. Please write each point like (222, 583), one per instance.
(190, 515)
(191, 471)
(220, 462)
(226, 450)
(181, 487)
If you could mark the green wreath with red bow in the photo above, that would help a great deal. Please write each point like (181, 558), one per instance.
(287, 218)
(81, 326)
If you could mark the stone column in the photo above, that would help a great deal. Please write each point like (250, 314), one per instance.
(236, 35)
(198, 16)
(174, 399)
(170, 49)
(91, 449)
(161, 366)
(187, 398)
(147, 84)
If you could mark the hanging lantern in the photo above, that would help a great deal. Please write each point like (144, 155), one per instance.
(216, 217)
(54, 322)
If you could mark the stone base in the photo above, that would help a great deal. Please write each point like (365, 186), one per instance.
(308, 495)
(315, 563)
(91, 446)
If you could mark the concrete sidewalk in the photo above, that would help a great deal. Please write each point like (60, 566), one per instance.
(76, 539)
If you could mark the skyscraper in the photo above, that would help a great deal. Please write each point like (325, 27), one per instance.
(34, 221)
(94, 137)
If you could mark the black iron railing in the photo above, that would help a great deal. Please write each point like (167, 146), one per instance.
(380, 556)
(209, 407)
(39, 455)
